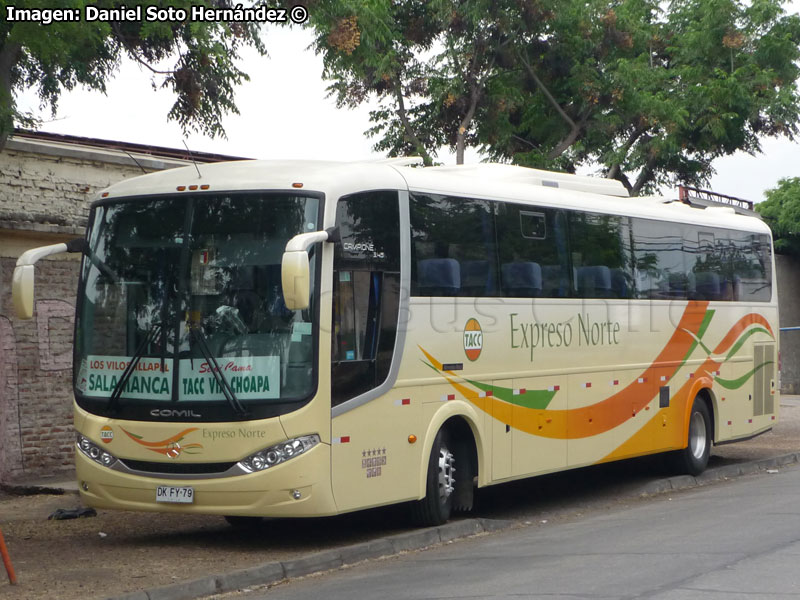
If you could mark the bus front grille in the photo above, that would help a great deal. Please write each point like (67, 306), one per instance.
(172, 468)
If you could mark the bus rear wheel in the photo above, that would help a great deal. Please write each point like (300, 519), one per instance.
(436, 506)
(694, 458)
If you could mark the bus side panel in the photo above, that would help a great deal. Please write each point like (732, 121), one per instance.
(734, 406)
(540, 441)
(499, 417)
(373, 461)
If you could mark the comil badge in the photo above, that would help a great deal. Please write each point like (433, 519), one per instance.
(473, 339)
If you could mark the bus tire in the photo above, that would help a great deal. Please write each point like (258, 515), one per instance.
(436, 506)
(694, 458)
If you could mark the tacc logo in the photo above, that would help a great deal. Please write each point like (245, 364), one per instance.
(473, 339)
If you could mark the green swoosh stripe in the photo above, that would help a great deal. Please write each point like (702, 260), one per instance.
(733, 384)
(742, 340)
(538, 399)
(700, 332)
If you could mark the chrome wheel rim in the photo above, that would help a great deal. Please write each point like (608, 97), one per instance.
(447, 472)
(697, 435)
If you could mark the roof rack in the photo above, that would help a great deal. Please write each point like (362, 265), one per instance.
(706, 198)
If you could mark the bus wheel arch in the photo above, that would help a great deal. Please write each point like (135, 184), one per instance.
(452, 467)
(693, 458)
(711, 403)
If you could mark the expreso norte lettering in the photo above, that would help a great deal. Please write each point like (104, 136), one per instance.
(560, 334)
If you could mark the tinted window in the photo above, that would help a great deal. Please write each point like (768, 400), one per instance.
(660, 269)
(532, 249)
(366, 292)
(601, 257)
(468, 247)
(453, 247)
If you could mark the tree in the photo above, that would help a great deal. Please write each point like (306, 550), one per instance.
(649, 95)
(781, 211)
(428, 63)
(654, 96)
(61, 55)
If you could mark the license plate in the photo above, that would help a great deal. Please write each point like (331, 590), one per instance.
(170, 493)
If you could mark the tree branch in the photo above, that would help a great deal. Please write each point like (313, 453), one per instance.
(575, 128)
(542, 88)
(623, 179)
(570, 138)
(644, 176)
(612, 172)
(475, 88)
(410, 134)
(131, 50)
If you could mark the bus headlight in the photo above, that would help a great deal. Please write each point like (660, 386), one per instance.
(95, 452)
(275, 455)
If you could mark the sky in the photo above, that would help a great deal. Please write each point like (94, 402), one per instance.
(284, 113)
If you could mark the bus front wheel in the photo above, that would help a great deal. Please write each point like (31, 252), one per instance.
(436, 506)
(694, 458)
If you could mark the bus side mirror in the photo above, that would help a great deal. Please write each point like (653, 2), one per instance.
(22, 291)
(22, 281)
(295, 268)
(295, 279)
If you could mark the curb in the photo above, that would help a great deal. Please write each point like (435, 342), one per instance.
(682, 482)
(277, 571)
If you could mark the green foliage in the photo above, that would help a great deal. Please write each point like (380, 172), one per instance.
(781, 211)
(196, 60)
(651, 92)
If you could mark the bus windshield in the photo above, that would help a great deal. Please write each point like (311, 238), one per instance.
(181, 309)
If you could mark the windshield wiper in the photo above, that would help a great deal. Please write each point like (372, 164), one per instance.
(196, 331)
(116, 393)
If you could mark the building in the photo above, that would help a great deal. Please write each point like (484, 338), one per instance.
(47, 183)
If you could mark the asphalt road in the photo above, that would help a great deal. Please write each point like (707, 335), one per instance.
(167, 556)
(739, 539)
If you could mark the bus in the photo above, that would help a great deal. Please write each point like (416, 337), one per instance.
(301, 338)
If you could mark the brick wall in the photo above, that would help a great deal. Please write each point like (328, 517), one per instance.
(36, 380)
(45, 192)
(41, 188)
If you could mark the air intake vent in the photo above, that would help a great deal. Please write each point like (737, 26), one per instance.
(764, 365)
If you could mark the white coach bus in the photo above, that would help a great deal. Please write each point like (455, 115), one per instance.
(311, 338)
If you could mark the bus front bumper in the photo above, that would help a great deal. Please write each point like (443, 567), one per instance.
(299, 487)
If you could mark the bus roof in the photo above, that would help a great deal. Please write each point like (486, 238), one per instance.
(485, 180)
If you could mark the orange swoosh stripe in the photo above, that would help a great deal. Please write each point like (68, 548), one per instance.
(616, 409)
(739, 327)
(608, 413)
(175, 438)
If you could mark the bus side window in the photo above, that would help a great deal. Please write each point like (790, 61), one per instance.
(453, 247)
(366, 293)
(601, 255)
(532, 251)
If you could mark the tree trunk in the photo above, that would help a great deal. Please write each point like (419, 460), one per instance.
(410, 134)
(644, 176)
